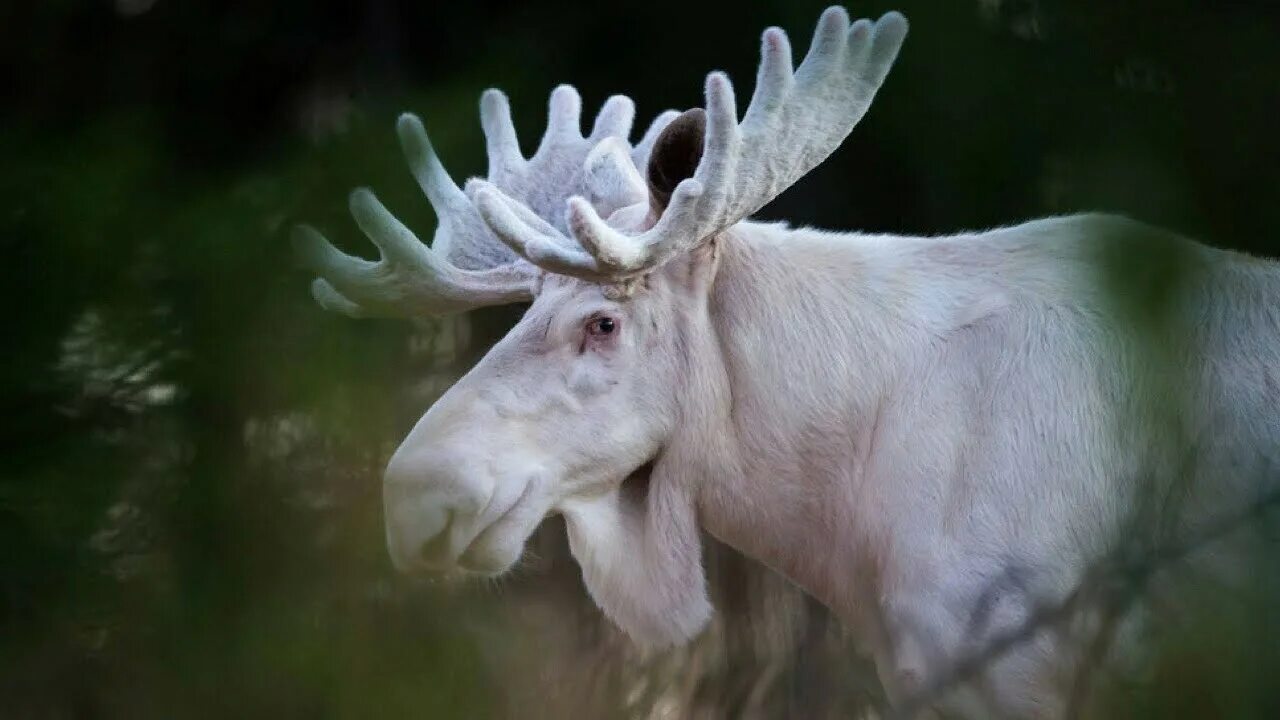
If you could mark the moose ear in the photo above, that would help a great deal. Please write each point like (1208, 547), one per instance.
(675, 156)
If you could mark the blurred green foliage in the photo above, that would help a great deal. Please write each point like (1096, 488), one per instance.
(189, 505)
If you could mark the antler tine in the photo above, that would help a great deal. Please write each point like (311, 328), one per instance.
(564, 119)
(501, 142)
(614, 119)
(528, 234)
(774, 77)
(410, 279)
(795, 120)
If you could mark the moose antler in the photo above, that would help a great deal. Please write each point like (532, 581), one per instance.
(467, 266)
(795, 120)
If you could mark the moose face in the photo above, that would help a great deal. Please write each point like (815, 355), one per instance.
(579, 395)
(612, 358)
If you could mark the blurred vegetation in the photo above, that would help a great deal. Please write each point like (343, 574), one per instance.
(190, 517)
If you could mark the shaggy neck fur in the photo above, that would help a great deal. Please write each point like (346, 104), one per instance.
(810, 324)
(792, 357)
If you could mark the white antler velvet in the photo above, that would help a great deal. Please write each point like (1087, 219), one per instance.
(795, 120)
(467, 266)
(579, 206)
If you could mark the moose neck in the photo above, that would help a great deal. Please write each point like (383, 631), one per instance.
(811, 328)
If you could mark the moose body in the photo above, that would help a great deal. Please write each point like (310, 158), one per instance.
(933, 436)
(938, 436)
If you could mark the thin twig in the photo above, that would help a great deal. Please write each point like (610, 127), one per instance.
(1117, 579)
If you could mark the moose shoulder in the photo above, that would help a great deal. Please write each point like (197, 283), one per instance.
(933, 436)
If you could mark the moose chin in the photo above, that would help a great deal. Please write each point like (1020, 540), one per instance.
(902, 426)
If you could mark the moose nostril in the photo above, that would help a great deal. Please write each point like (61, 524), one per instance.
(436, 549)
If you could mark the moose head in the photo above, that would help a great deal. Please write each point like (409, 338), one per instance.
(612, 394)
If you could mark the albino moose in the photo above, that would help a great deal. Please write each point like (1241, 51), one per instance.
(929, 435)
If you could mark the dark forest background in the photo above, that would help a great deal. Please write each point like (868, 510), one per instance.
(190, 520)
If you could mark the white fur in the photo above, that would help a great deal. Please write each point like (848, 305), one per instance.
(891, 422)
(933, 436)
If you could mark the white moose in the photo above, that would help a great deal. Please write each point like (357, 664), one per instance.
(893, 423)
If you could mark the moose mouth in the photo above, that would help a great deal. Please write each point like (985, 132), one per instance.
(482, 555)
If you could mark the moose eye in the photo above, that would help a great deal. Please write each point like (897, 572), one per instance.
(602, 326)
